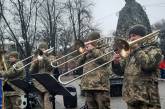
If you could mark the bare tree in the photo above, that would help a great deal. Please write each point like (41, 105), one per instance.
(51, 17)
(21, 23)
(80, 17)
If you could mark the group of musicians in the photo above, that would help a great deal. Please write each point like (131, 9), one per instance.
(140, 85)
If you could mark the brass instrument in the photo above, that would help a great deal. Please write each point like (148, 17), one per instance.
(71, 53)
(39, 57)
(122, 45)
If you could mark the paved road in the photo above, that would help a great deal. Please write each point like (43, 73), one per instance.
(116, 102)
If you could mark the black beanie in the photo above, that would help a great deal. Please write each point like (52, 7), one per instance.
(138, 30)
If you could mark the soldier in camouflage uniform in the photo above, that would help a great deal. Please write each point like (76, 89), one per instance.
(95, 84)
(42, 66)
(140, 87)
(13, 98)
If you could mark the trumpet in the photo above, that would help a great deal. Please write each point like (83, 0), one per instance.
(39, 57)
(122, 46)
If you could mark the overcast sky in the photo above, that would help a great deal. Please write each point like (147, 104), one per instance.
(106, 12)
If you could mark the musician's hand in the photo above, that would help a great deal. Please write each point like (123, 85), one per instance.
(35, 60)
(81, 50)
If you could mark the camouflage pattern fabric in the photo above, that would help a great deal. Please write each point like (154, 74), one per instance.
(142, 106)
(42, 66)
(140, 77)
(98, 79)
(11, 73)
(97, 100)
(96, 84)
(12, 98)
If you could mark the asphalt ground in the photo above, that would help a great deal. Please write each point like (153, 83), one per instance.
(116, 102)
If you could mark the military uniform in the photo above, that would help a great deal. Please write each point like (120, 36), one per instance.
(140, 87)
(42, 66)
(96, 84)
(13, 98)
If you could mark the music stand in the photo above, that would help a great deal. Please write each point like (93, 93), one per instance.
(27, 88)
(7, 87)
(52, 85)
(23, 85)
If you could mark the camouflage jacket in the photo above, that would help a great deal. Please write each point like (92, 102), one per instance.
(141, 76)
(11, 74)
(98, 79)
(41, 66)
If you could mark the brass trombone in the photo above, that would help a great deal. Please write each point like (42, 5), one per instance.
(122, 46)
(71, 53)
(38, 58)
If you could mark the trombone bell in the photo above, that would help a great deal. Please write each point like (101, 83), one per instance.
(123, 47)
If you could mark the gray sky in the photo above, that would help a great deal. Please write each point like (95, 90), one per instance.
(105, 12)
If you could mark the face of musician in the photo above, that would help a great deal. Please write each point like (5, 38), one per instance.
(133, 37)
(89, 46)
(12, 59)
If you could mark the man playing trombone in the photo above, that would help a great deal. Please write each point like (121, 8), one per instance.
(96, 83)
(12, 98)
(41, 64)
(140, 87)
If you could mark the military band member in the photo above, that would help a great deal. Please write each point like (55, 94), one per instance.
(12, 98)
(140, 87)
(95, 84)
(42, 65)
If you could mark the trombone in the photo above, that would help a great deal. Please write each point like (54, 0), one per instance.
(123, 46)
(103, 46)
(38, 58)
(71, 53)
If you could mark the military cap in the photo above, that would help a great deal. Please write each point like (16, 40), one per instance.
(93, 36)
(14, 54)
(43, 45)
(138, 30)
